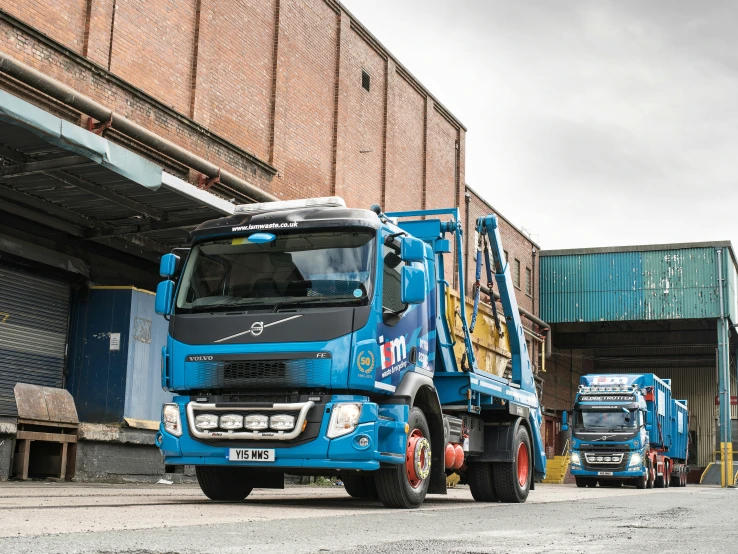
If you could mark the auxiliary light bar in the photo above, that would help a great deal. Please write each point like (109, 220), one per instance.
(610, 388)
(324, 202)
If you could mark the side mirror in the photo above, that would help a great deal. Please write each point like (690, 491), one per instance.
(413, 285)
(168, 265)
(649, 421)
(412, 249)
(164, 295)
(564, 422)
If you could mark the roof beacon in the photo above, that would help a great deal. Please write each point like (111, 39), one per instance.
(324, 202)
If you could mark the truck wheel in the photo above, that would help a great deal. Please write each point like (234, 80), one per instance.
(482, 482)
(581, 482)
(512, 479)
(405, 485)
(641, 482)
(359, 485)
(222, 482)
(667, 476)
(659, 482)
(651, 476)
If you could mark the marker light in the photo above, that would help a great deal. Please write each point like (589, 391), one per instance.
(231, 421)
(344, 419)
(170, 417)
(324, 202)
(206, 421)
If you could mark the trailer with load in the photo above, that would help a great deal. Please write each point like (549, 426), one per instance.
(627, 429)
(313, 339)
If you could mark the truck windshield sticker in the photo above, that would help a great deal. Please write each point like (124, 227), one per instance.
(287, 225)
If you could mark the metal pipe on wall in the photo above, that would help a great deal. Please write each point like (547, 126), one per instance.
(67, 95)
(726, 450)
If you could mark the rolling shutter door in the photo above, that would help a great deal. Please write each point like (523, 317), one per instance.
(33, 332)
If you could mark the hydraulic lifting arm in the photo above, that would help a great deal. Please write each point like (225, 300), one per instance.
(522, 373)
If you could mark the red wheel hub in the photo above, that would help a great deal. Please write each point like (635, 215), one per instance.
(417, 458)
(523, 464)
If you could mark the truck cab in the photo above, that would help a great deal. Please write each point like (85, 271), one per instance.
(306, 337)
(622, 435)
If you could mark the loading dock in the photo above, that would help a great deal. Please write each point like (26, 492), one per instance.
(77, 211)
(666, 309)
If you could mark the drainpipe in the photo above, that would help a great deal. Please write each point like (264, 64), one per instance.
(467, 200)
(726, 445)
(67, 95)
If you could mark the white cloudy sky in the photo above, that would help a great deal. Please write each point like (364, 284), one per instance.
(590, 123)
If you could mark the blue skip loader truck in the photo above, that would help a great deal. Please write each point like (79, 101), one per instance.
(313, 339)
(627, 429)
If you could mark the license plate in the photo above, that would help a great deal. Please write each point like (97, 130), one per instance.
(251, 455)
(604, 473)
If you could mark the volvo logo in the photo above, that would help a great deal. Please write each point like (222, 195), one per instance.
(257, 328)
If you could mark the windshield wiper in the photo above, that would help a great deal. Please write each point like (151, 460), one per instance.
(314, 300)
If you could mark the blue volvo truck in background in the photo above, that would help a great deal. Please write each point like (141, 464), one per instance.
(313, 339)
(627, 429)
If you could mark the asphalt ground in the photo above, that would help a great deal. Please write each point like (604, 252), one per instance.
(143, 519)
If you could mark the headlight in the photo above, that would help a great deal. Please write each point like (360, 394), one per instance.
(206, 421)
(575, 458)
(282, 422)
(344, 419)
(231, 421)
(170, 417)
(256, 422)
(635, 459)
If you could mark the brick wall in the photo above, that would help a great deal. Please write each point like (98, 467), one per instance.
(270, 90)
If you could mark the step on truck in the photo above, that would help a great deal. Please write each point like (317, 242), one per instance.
(627, 429)
(313, 339)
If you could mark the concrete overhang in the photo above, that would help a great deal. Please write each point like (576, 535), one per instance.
(76, 182)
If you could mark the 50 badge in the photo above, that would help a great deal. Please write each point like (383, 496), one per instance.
(365, 363)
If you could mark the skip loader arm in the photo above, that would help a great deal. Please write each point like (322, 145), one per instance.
(522, 372)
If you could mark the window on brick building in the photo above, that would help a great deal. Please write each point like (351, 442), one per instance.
(528, 281)
(365, 79)
(516, 273)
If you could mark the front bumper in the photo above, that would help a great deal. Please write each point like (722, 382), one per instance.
(383, 426)
(604, 474)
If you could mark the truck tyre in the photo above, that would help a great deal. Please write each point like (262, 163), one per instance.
(222, 482)
(513, 479)
(581, 482)
(641, 482)
(405, 485)
(667, 475)
(651, 476)
(481, 481)
(359, 485)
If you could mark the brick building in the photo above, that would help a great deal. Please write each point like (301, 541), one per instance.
(292, 98)
(295, 96)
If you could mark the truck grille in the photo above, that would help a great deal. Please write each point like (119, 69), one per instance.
(303, 372)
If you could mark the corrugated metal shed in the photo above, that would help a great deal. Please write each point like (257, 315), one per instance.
(655, 282)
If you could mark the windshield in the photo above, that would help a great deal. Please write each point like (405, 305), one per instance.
(328, 267)
(591, 419)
